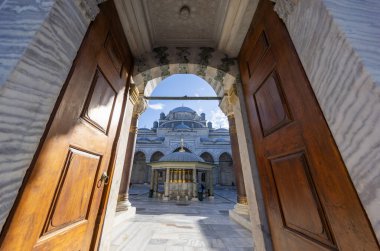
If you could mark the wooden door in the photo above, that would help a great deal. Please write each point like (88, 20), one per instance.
(58, 207)
(310, 201)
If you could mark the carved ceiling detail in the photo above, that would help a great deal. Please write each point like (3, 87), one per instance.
(220, 24)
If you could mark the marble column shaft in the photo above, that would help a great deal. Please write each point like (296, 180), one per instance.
(167, 173)
(240, 188)
(194, 183)
(127, 169)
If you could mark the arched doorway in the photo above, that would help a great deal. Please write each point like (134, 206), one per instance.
(226, 174)
(208, 158)
(156, 156)
(139, 169)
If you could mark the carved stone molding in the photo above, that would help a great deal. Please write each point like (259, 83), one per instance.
(133, 94)
(89, 8)
(140, 106)
(284, 8)
(229, 100)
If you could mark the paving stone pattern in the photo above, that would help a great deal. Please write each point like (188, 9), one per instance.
(195, 225)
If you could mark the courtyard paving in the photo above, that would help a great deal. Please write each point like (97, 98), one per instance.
(196, 225)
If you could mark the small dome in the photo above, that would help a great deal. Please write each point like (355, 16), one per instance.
(181, 157)
(182, 109)
(221, 130)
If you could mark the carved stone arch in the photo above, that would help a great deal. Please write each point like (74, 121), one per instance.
(227, 172)
(139, 168)
(216, 67)
(143, 151)
(219, 154)
(207, 156)
(156, 156)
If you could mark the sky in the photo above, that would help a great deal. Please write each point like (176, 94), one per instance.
(181, 85)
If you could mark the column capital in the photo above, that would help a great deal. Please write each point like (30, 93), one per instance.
(137, 100)
(229, 100)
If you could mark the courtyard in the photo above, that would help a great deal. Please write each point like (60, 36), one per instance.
(179, 225)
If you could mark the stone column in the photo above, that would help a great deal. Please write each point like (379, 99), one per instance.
(195, 194)
(139, 107)
(152, 179)
(167, 177)
(155, 182)
(240, 188)
(207, 182)
(211, 184)
(227, 106)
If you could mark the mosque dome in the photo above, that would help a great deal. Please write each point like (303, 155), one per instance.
(183, 109)
(181, 157)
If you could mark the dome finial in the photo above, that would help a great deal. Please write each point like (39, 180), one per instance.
(182, 150)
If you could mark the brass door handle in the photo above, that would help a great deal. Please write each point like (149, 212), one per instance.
(105, 178)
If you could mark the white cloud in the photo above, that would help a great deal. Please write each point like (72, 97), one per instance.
(158, 106)
(218, 119)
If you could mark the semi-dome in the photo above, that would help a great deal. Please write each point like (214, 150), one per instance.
(183, 109)
(181, 157)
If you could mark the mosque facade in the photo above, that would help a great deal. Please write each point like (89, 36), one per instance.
(183, 126)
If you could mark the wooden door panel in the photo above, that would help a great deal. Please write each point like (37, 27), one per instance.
(258, 51)
(309, 198)
(78, 173)
(271, 106)
(114, 53)
(100, 102)
(298, 191)
(62, 198)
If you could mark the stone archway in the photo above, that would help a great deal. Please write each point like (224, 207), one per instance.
(216, 67)
(215, 172)
(139, 169)
(227, 174)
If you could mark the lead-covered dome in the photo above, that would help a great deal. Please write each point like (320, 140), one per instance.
(183, 109)
(181, 157)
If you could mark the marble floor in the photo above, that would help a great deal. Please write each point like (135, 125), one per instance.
(195, 225)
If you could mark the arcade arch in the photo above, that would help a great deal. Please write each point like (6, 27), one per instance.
(139, 174)
(226, 170)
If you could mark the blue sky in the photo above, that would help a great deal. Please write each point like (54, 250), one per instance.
(181, 85)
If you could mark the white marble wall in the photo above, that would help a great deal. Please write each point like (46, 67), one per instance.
(338, 44)
(38, 43)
